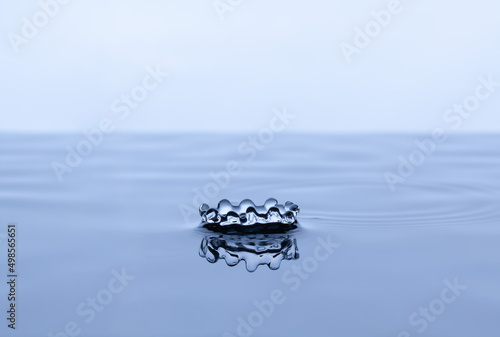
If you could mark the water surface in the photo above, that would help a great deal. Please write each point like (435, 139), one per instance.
(387, 254)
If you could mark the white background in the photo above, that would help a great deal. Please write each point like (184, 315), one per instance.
(228, 75)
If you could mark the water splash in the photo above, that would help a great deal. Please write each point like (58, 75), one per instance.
(250, 218)
(254, 249)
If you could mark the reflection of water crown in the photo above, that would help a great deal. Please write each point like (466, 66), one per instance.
(250, 215)
(254, 249)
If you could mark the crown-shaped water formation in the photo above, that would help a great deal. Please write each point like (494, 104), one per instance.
(248, 217)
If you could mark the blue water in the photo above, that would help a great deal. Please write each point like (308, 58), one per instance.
(385, 255)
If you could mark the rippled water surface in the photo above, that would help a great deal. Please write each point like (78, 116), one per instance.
(365, 260)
